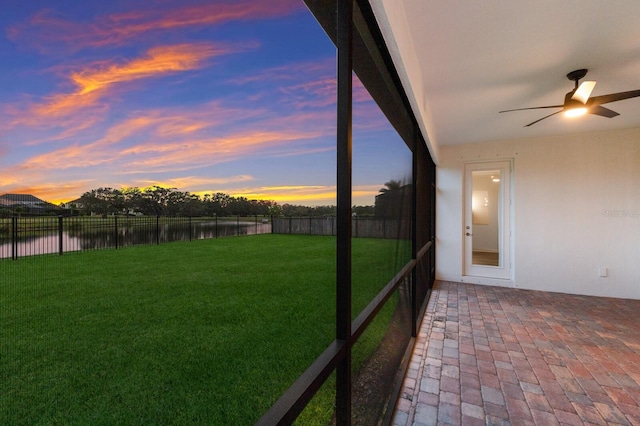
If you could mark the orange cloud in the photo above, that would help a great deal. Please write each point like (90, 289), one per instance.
(70, 126)
(58, 111)
(293, 194)
(54, 193)
(158, 60)
(94, 81)
(359, 192)
(64, 104)
(48, 33)
(305, 194)
(174, 122)
(177, 139)
(7, 180)
(188, 154)
(189, 183)
(126, 128)
(159, 153)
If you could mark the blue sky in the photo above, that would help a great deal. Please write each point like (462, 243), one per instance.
(202, 96)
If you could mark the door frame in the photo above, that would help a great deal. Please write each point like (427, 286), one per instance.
(504, 271)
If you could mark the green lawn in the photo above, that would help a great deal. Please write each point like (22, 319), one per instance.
(204, 332)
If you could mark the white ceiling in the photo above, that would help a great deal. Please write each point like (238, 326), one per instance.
(462, 61)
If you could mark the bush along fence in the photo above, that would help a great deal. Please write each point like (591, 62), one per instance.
(362, 227)
(29, 236)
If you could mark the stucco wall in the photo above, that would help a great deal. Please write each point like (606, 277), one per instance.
(576, 209)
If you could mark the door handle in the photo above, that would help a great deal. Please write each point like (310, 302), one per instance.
(468, 234)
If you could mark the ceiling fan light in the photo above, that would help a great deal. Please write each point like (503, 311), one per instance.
(583, 92)
(575, 112)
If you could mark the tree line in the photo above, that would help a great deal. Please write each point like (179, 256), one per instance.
(159, 201)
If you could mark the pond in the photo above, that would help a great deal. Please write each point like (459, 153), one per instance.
(38, 236)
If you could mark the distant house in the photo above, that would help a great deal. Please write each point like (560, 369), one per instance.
(5, 203)
(74, 204)
(25, 203)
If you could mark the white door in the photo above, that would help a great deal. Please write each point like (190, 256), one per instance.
(487, 223)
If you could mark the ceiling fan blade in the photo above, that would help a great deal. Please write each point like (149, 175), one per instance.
(613, 97)
(602, 111)
(531, 124)
(583, 92)
(540, 107)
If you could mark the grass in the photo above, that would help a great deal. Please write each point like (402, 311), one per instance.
(206, 332)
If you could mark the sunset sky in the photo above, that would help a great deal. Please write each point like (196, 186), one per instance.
(203, 96)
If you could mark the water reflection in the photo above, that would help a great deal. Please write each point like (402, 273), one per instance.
(110, 235)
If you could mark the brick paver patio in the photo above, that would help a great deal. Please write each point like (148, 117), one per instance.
(503, 356)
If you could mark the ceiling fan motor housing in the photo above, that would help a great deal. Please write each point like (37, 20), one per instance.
(570, 103)
(577, 75)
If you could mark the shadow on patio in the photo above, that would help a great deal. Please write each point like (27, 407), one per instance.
(504, 356)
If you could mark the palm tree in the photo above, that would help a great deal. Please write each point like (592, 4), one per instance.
(392, 185)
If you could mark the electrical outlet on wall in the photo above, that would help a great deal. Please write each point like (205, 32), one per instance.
(603, 272)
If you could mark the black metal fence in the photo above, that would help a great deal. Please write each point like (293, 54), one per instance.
(36, 235)
(362, 227)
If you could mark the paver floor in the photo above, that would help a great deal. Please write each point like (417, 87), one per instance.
(504, 356)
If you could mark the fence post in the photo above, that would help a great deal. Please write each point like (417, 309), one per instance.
(115, 230)
(158, 229)
(14, 237)
(190, 229)
(216, 225)
(60, 235)
(237, 225)
(289, 224)
(256, 224)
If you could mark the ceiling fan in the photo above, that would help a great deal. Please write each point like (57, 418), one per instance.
(578, 102)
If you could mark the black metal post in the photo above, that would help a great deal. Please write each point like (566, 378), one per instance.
(344, 225)
(158, 229)
(310, 226)
(14, 237)
(60, 235)
(115, 230)
(290, 225)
